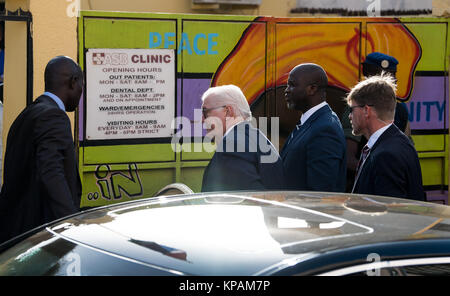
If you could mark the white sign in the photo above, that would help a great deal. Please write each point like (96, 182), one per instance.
(130, 93)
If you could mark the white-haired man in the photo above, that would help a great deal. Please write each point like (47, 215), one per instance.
(245, 159)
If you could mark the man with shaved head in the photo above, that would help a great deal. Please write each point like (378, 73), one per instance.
(314, 155)
(41, 179)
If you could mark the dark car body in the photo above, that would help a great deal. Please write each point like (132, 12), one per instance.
(240, 233)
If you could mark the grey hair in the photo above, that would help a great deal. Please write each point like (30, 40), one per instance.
(229, 95)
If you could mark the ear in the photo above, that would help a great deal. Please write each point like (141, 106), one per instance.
(229, 111)
(368, 111)
(311, 89)
(73, 82)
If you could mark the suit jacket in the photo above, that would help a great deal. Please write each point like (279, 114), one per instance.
(41, 179)
(244, 160)
(392, 168)
(315, 157)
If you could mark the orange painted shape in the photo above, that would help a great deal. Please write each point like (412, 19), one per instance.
(339, 46)
(395, 40)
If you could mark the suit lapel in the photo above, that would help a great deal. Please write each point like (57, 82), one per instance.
(298, 134)
(391, 131)
(46, 100)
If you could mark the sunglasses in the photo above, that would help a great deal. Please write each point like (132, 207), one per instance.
(358, 106)
(205, 111)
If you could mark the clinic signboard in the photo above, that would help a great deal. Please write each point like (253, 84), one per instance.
(130, 93)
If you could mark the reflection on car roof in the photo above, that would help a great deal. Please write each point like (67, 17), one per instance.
(210, 233)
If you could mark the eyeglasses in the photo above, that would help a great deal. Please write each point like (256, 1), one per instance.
(205, 111)
(358, 106)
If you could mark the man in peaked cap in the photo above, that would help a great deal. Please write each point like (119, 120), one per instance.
(377, 61)
(374, 64)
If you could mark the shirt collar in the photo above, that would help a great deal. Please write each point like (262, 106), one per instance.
(56, 99)
(374, 137)
(310, 112)
(230, 128)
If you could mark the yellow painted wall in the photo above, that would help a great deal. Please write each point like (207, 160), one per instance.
(54, 33)
(15, 78)
(54, 30)
(15, 87)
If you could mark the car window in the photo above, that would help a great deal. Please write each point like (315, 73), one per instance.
(439, 266)
(45, 254)
(415, 270)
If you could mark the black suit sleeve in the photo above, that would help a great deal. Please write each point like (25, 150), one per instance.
(54, 141)
(233, 171)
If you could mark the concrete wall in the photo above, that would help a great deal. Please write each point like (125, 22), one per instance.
(441, 8)
(280, 8)
(267, 7)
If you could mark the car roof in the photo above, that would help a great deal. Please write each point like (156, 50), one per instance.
(243, 233)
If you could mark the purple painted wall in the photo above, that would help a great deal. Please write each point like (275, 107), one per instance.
(428, 103)
(192, 92)
(427, 106)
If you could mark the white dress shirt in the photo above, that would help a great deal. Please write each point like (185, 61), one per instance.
(310, 112)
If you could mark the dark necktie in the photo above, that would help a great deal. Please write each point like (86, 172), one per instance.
(294, 132)
(363, 157)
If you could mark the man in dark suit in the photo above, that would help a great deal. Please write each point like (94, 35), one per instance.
(244, 159)
(389, 164)
(314, 154)
(41, 180)
(374, 64)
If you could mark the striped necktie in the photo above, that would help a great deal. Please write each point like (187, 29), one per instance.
(363, 157)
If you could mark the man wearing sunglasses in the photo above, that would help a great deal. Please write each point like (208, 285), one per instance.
(389, 164)
(374, 64)
(244, 159)
(313, 155)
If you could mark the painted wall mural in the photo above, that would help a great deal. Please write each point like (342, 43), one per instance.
(113, 185)
(337, 47)
(257, 54)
